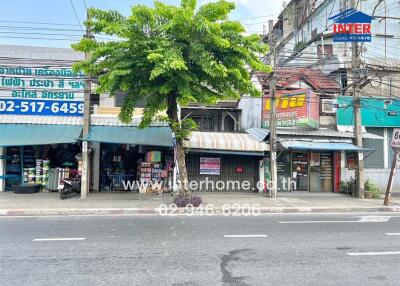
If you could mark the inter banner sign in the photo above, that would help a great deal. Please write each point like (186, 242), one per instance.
(351, 26)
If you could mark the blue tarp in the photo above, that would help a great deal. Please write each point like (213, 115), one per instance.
(38, 134)
(154, 136)
(319, 146)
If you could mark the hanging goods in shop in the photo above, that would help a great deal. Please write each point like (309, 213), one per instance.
(153, 156)
(46, 164)
(39, 167)
(25, 180)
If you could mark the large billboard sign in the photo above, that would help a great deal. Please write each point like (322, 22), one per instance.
(298, 107)
(40, 90)
(351, 26)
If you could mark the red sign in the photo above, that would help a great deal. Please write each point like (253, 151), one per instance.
(293, 108)
(352, 28)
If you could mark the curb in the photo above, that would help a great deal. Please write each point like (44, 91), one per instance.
(181, 211)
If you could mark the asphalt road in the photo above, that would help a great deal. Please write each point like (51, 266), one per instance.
(331, 249)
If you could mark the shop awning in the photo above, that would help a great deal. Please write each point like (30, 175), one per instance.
(38, 134)
(154, 136)
(319, 146)
(230, 143)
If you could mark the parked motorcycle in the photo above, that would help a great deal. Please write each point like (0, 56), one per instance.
(72, 187)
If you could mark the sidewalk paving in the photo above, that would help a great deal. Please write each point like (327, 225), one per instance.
(132, 203)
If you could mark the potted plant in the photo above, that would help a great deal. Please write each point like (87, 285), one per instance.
(371, 191)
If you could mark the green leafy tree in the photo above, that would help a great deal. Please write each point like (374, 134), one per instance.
(168, 56)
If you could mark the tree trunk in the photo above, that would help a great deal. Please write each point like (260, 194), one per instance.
(172, 112)
(183, 177)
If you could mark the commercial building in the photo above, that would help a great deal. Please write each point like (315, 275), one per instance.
(41, 110)
(312, 151)
(305, 37)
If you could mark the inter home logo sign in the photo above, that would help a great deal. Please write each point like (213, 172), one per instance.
(351, 26)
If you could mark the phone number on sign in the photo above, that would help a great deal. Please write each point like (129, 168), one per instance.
(209, 210)
(42, 107)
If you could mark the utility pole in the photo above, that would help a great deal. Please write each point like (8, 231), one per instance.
(391, 177)
(85, 184)
(355, 64)
(395, 144)
(272, 123)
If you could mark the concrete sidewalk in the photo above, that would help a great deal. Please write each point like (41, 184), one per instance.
(132, 203)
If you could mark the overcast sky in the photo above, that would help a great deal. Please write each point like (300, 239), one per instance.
(252, 13)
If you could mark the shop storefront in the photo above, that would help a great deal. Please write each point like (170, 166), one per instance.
(223, 161)
(39, 155)
(311, 160)
(123, 163)
(128, 154)
(306, 171)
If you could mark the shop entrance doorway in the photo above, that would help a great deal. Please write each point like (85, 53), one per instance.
(321, 172)
(300, 169)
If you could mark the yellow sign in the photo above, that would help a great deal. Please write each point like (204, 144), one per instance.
(286, 102)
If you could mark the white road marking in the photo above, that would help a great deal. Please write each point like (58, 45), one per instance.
(244, 235)
(59, 239)
(374, 219)
(392, 233)
(362, 219)
(373, 253)
(317, 221)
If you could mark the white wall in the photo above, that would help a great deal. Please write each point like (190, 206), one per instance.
(2, 169)
(250, 112)
(380, 178)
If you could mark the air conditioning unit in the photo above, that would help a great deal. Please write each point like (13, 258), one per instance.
(328, 106)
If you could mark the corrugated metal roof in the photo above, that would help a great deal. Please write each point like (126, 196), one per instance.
(382, 63)
(154, 136)
(319, 146)
(105, 120)
(38, 134)
(261, 134)
(324, 133)
(225, 141)
(34, 119)
(20, 53)
(110, 120)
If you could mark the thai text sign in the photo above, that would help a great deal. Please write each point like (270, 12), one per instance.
(351, 26)
(293, 108)
(26, 90)
(210, 166)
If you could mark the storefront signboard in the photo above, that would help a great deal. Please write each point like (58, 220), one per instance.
(210, 166)
(375, 112)
(293, 108)
(42, 91)
(40, 107)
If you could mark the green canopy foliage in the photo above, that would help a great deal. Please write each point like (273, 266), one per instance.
(196, 54)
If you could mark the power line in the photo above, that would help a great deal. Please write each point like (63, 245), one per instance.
(8, 27)
(76, 15)
(258, 17)
(84, 3)
(39, 23)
